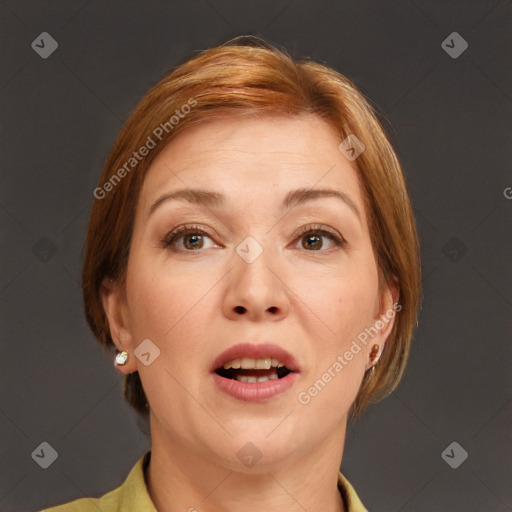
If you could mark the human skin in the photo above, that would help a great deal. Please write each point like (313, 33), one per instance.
(198, 297)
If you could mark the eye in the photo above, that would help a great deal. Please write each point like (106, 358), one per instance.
(192, 238)
(312, 238)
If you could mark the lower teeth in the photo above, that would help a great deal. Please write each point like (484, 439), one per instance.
(246, 378)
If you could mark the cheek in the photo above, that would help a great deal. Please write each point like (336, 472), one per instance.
(354, 309)
(344, 300)
(149, 301)
(332, 384)
(167, 308)
(345, 305)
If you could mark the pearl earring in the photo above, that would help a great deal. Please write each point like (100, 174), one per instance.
(121, 358)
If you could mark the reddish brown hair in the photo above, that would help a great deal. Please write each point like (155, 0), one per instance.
(248, 76)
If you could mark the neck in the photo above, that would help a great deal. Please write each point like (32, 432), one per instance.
(179, 479)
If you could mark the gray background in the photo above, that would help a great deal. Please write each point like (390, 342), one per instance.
(450, 121)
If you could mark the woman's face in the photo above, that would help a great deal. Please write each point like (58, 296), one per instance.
(268, 262)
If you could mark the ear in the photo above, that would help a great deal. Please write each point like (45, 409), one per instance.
(113, 298)
(386, 309)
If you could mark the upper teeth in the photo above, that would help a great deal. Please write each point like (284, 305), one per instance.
(247, 363)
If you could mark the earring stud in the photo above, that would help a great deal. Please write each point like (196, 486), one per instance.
(373, 357)
(374, 352)
(121, 358)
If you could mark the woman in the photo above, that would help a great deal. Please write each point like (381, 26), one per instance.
(252, 254)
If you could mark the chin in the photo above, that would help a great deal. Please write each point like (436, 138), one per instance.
(259, 445)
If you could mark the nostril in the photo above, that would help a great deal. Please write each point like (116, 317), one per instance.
(273, 309)
(240, 310)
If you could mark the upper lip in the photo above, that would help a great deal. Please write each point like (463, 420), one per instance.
(258, 351)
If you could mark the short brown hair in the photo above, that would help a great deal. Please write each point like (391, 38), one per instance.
(248, 76)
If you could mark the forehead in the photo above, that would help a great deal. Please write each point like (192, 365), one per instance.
(255, 158)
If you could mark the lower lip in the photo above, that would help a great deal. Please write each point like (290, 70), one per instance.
(255, 391)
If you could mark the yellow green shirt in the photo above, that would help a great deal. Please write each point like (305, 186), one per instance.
(133, 495)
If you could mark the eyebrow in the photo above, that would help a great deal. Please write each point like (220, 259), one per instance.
(292, 199)
(302, 195)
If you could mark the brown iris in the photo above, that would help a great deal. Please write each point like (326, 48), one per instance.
(317, 244)
(195, 238)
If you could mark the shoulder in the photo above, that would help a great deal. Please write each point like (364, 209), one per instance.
(107, 503)
(83, 505)
(132, 493)
(350, 497)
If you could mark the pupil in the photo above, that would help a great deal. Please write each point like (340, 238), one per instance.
(317, 242)
(194, 238)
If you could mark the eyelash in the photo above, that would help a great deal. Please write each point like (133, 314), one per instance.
(191, 229)
(181, 231)
(316, 229)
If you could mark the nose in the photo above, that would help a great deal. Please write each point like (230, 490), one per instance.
(256, 290)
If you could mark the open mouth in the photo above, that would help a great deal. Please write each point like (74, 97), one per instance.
(255, 372)
(246, 369)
